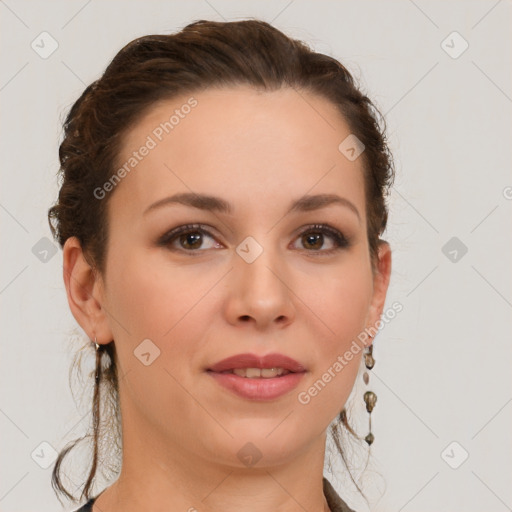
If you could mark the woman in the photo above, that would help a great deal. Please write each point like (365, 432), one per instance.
(220, 215)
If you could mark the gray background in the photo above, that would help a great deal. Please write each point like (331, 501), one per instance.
(442, 372)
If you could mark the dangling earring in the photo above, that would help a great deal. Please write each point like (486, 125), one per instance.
(370, 398)
(98, 362)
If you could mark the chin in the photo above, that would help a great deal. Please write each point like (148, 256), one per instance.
(263, 445)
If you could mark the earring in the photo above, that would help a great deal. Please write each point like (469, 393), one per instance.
(98, 362)
(370, 398)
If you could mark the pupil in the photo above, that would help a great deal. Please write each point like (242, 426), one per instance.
(313, 238)
(192, 237)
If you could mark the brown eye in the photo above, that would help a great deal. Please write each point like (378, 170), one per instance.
(313, 239)
(189, 238)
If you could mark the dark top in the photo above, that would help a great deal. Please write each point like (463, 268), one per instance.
(336, 504)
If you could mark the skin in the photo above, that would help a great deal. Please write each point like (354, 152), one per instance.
(181, 430)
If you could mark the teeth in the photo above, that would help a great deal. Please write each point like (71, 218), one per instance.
(256, 373)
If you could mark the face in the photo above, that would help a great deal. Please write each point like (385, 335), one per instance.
(261, 278)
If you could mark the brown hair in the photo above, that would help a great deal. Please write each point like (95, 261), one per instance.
(203, 54)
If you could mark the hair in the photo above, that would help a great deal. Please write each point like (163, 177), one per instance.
(204, 54)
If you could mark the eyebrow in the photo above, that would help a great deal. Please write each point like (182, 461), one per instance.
(212, 203)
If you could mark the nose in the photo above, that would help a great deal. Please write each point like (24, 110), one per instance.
(260, 292)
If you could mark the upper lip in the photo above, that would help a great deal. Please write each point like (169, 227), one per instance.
(254, 361)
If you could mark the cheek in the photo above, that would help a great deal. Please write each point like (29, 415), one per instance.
(337, 310)
(343, 308)
(163, 304)
(339, 303)
(149, 302)
(149, 299)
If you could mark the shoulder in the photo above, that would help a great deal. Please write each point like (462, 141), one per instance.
(87, 507)
(336, 504)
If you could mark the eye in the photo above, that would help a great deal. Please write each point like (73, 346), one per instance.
(314, 236)
(189, 238)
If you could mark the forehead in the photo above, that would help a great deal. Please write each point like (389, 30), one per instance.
(241, 144)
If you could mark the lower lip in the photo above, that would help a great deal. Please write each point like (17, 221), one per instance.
(259, 388)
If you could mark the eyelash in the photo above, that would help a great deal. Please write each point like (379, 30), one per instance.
(341, 241)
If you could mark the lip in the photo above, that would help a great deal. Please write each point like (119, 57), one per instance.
(247, 360)
(261, 389)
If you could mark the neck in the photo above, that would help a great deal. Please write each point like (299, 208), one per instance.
(177, 479)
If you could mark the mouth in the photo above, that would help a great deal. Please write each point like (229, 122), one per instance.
(260, 378)
(258, 373)
(253, 366)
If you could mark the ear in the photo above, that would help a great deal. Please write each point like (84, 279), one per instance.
(85, 292)
(380, 284)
